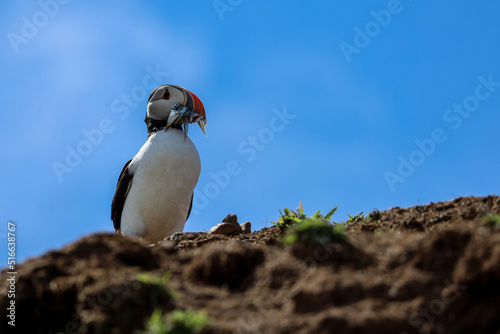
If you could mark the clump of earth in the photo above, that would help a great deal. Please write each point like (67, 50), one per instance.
(426, 269)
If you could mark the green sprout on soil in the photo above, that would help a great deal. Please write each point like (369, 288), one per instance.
(357, 218)
(158, 286)
(492, 220)
(374, 215)
(290, 217)
(361, 218)
(313, 231)
(148, 278)
(177, 322)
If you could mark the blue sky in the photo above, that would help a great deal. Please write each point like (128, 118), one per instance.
(361, 105)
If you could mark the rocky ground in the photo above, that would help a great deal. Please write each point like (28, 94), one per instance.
(427, 269)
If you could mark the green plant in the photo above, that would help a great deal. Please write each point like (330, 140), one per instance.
(148, 278)
(314, 231)
(158, 286)
(492, 220)
(176, 322)
(290, 217)
(374, 215)
(357, 218)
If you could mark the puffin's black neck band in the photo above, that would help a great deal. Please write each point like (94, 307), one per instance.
(156, 125)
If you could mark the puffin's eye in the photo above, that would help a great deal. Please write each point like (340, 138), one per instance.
(166, 94)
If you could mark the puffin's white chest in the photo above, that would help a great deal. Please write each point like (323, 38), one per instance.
(166, 171)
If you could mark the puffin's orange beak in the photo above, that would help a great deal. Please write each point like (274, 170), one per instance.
(193, 102)
(192, 111)
(198, 107)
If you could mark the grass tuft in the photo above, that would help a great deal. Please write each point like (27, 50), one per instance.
(176, 322)
(313, 231)
(357, 218)
(148, 278)
(158, 286)
(492, 220)
(374, 215)
(290, 217)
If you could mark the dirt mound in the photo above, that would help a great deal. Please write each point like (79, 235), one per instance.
(426, 217)
(426, 269)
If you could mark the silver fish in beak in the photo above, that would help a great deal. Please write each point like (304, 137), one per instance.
(183, 115)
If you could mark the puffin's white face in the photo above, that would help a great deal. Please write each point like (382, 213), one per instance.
(176, 105)
(162, 99)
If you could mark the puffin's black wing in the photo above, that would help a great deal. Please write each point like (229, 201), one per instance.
(190, 207)
(121, 192)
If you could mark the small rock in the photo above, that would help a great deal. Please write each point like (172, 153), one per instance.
(231, 219)
(229, 226)
(246, 227)
(223, 228)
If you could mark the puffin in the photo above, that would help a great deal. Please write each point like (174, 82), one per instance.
(154, 192)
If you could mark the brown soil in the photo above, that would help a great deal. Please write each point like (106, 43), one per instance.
(427, 269)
